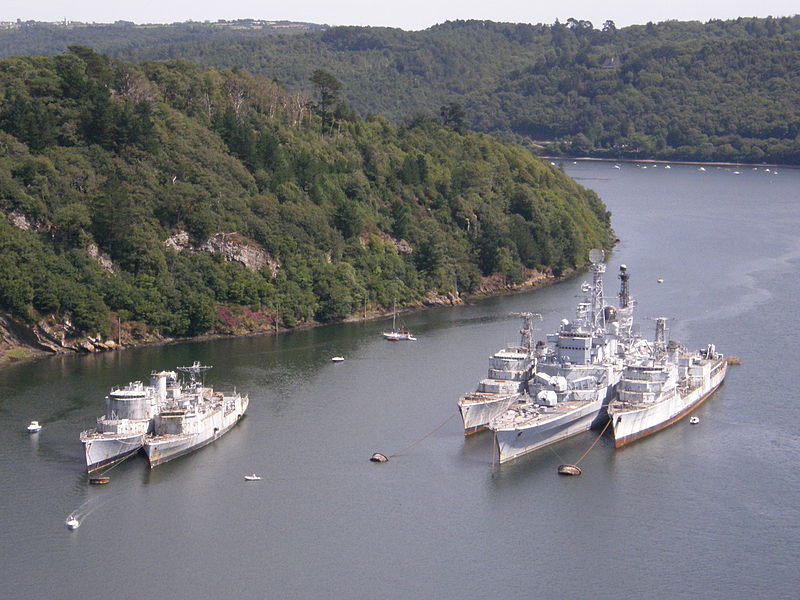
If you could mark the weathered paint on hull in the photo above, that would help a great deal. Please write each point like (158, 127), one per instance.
(476, 429)
(691, 405)
(476, 416)
(513, 443)
(106, 453)
(160, 452)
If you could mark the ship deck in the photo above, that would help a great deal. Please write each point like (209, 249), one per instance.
(483, 397)
(528, 416)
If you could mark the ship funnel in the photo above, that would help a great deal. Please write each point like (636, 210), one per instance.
(159, 382)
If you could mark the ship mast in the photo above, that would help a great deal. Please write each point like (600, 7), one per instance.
(597, 316)
(195, 370)
(660, 342)
(526, 332)
(624, 291)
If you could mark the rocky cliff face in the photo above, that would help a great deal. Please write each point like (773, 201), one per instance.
(233, 246)
(49, 336)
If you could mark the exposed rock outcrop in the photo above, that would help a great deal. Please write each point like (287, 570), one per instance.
(103, 259)
(21, 221)
(402, 245)
(436, 299)
(233, 246)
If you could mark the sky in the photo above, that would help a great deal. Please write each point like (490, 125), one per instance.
(405, 14)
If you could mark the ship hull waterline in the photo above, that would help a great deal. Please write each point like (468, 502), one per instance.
(510, 444)
(121, 450)
(159, 453)
(624, 440)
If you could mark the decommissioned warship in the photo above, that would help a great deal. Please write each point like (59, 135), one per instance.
(195, 418)
(576, 372)
(661, 384)
(510, 368)
(129, 416)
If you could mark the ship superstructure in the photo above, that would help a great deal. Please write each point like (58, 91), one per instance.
(129, 416)
(195, 418)
(510, 368)
(661, 384)
(576, 372)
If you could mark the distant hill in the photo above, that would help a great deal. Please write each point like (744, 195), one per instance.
(723, 90)
(27, 38)
(175, 200)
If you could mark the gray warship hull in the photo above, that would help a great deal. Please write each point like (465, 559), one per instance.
(634, 421)
(478, 409)
(161, 448)
(519, 435)
(105, 451)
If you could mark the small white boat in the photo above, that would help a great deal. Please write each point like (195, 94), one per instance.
(617, 167)
(396, 335)
(252, 477)
(337, 359)
(694, 420)
(659, 280)
(72, 522)
(667, 167)
(701, 169)
(34, 427)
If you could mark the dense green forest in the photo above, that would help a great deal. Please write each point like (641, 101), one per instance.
(723, 90)
(117, 179)
(32, 37)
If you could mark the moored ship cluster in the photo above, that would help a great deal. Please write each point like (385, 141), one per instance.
(166, 419)
(595, 368)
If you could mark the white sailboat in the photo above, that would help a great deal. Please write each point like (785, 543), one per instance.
(396, 335)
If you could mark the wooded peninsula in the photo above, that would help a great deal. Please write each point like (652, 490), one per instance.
(166, 199)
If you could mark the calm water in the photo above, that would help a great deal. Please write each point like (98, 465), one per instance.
(704, 511)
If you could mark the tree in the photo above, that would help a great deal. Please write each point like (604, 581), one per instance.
(328, 88)
(453, 115)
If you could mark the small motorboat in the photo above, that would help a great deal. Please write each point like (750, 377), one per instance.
(99, 479)
(34, 427)
(659, 280)
(72, 522)
(337, 359)
(252, 477)
(694, 420)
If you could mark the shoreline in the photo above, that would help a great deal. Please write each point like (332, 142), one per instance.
(33, 354)
(657, 161)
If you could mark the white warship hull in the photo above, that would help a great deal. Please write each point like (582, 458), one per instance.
(162, 448)
(574, 417)
(631, 424)
(105, 450)
(477, 411)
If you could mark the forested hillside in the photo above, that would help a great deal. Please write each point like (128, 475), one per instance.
(723, 90)
(32, 37)
(182, 200)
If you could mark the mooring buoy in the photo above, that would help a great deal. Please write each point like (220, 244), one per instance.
(378, 457)
(569, 470)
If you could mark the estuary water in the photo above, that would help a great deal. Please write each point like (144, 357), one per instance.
(707, 511)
